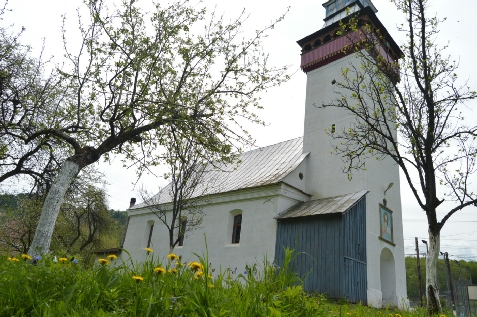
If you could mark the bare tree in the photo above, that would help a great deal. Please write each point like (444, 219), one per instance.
(178, 205)
(411, 113)
(131, 83)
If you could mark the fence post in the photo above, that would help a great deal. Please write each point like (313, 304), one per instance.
(449, 278)
(421, 295)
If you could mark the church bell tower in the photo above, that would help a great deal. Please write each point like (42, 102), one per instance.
(324, 54)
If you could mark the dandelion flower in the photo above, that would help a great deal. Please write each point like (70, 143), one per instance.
(195, 266)
(199, 274)
(138, 278)
(26, 257)
(14, 259)
(172, 257)
(149, 250)
(159, 270)
(63, 260)
(103, 261)
(173, 271)
(112, 257)
(398, 315)
(210, 276)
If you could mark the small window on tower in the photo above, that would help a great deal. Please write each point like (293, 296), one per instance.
(237, 229)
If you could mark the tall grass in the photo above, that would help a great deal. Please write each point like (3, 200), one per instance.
(64, 288)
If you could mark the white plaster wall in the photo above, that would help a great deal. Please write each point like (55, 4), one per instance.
(293, 178)
(325, 178)
(258, 234)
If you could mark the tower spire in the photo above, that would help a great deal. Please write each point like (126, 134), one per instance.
(339, 9)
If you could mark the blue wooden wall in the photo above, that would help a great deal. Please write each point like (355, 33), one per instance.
(331, 251)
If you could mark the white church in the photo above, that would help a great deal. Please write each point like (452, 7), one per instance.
(348, 233)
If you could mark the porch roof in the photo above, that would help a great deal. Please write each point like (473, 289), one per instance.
(323, 206)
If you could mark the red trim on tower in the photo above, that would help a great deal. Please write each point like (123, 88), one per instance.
(326, 60)
(334, 50)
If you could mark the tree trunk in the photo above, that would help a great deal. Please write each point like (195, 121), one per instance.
(433, 302)
(51, 208)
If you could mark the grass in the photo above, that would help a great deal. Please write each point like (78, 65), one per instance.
(171, 288)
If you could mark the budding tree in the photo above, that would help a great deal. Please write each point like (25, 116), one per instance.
(411, 113)
(28, 97)
(179, 205)
(137, 76)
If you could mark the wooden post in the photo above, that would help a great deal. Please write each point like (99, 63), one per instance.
(421, 295)
(449, 279)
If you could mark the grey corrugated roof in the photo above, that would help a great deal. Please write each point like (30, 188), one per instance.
(330, 205)
(263, 166)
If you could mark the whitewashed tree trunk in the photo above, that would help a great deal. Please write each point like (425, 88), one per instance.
(432, 290)
(51, 208)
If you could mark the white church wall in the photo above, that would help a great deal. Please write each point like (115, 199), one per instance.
(297, 177)
(325, 178)
(258, 207)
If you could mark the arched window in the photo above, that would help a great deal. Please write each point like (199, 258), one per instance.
(237, 228)
(150, 229)
(182, 230)
(327, 38)
(307, 48)
(317, 43)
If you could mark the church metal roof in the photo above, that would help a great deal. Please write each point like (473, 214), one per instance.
(263, 166)
(323, 206)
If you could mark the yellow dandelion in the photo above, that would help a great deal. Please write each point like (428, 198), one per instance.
(112, 257)
(172, 257)
(159, 270)
(149, 250)
(101, 261)
(210, 276)
(199, 274)
(138, 278)
(398, 315)
(63, 260)
(14, 259)
(196, 278)
(173, 271)
(26, 257)
(195, 266)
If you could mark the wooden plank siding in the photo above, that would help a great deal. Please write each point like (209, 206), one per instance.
(354, 253)
(331, 251)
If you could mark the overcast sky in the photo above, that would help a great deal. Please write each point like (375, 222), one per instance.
(284, 106)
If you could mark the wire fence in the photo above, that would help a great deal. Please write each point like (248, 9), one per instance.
(452, 283)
